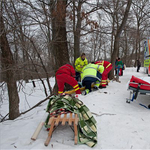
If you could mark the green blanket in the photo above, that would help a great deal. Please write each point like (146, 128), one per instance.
(87, 132)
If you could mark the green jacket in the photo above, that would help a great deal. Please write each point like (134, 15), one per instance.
(119, 63)
(79, 62)
(90, 70)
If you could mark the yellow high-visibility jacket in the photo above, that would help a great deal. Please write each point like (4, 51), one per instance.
(79, 62)
(90, 70)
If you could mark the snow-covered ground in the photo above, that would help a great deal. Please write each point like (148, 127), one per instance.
(120, 125)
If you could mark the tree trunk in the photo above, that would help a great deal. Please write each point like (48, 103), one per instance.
(59, 35)
(8, 67)
(117, 38)
(126, 48)
(77, 30)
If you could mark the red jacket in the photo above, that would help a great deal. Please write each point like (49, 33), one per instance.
(66, 69)
(107, 66)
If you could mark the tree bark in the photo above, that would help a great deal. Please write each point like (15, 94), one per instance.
(8, 67)
(59, 34)
(77, 30)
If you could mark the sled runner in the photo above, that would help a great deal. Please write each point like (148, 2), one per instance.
(138, 86)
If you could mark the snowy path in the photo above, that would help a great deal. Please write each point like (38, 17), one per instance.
(120, 125)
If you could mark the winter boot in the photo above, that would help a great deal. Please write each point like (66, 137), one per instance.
(85, 92)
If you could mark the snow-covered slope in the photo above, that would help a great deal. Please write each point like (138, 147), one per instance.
(120, 125)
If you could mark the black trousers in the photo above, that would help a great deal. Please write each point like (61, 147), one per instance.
(138, 68)
(87, 81)
(78, 76)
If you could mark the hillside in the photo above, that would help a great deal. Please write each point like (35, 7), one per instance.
(120, 125)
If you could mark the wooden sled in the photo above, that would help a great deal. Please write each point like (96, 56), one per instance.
(54, 121)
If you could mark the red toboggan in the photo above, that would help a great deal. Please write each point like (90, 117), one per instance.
(138, 86)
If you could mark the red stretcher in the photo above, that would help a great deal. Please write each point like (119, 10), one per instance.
(136, 86)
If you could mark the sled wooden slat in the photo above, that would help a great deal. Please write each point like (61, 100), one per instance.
(73, 118)
(57, 120)
(64, 119)
(70, 119)
(76, 119)
(50, 120)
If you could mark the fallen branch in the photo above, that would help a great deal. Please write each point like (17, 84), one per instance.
(30, 108)
(36, 105)
(102, 114)
(4, 118)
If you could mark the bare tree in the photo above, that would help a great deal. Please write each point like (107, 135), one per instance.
(77, 29)
(8, 65)
(117, 37)
(142, 14)
(59, 34)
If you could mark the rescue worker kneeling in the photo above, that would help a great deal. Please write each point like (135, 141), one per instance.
(66, 74)
(91, 73)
